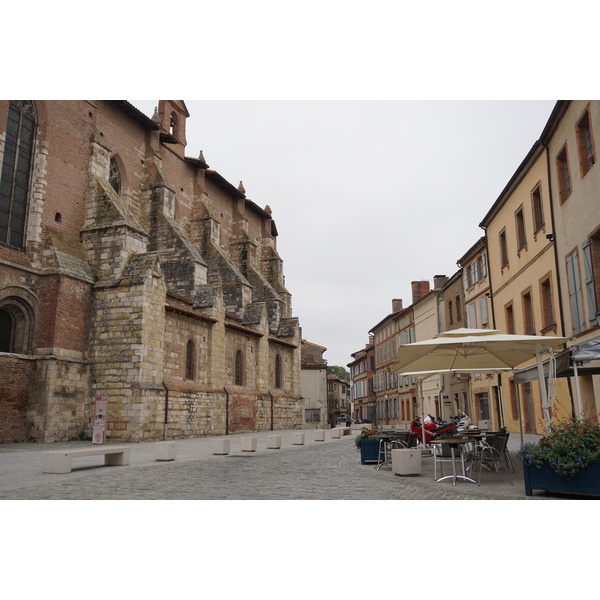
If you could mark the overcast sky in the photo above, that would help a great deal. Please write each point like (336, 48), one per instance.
(367, 195)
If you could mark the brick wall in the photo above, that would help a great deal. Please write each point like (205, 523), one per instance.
(15, 374)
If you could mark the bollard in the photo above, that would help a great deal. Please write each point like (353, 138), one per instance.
(298, 439)
(164, 451)
(249, 444)
(221, 446)
(274, 441)
(319, 435)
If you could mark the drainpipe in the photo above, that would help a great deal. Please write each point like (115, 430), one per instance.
(166, 409)
(226, 411)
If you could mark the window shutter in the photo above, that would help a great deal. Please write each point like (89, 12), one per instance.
(575, 292)
(589, 281)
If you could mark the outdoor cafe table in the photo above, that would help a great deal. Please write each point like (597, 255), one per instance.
(453, 443)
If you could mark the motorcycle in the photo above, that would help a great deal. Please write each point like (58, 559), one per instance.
(464, 423)
(433, 430)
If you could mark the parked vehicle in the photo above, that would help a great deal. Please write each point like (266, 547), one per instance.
(432, 429)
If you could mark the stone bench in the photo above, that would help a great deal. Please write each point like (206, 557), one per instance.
(164, 451)
(221, 446)
(298, 439)
(319, 435)
(61, 461)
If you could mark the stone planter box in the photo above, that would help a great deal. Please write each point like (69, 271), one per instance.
(298, 439)
(587, 482)
(406, 461)
(274, 441)
(164, 451)
(221, 446)
(319, 435)
(248, 444)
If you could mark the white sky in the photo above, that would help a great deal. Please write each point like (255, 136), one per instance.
(367, 195)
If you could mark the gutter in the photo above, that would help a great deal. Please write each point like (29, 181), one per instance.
(166, 409)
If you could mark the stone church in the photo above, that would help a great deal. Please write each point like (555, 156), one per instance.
(133, 272)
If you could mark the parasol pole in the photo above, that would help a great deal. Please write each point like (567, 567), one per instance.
(543, 389)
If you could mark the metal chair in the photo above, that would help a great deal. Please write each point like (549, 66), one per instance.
(385, 451)
(486, 455)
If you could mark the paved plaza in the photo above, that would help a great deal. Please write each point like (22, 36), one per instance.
(327, 470)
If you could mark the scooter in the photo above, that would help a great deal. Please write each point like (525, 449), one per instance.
(432, 429)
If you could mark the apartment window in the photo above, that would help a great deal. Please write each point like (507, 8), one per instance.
(450, 314)
(547, 304)
(458, 310)
(16, 172)
(510, 318)
(528, 322)
(585, 143)
(575, 295)
(520, 225)
(482, 266)
(190, 360)
(503, 249)
(564, 175)
(591, 261)
(239, 368)
(536, 206)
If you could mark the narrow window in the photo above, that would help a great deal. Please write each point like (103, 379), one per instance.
(547, 304)
(114, 176)
(564, 175)
(537, 210)
(503, 249)
(450, 313)
(190, 360)
(6, 331)
(585, 144)
(278, 372)
(528, 323)
(520, 224)
(239, 368)
(16, 172)
(458, 309)
(472, 316)
(173, 125)
(514, 408)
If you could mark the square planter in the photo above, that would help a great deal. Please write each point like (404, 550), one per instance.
(586, 483)
(406, 461)
(248, 444)
(369, 451)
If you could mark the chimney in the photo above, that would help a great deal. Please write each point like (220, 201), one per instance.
(439, 281)
(396, 304)
(419, 289)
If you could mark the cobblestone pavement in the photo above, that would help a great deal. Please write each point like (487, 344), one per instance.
(329, 470)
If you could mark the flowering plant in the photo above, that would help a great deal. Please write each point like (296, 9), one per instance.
(365, 432)
(568, 448)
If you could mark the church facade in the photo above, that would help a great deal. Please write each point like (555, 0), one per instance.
(134, 273)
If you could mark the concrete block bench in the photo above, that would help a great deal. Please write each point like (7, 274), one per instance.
(221, 446)
(164, 451)
(274, 441)
(249, 444)
(347, 430)
(319, 435)
(336, 432)
(298, 439)
(61, 461)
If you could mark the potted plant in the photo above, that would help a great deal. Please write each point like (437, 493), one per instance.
(369, 448)
(567, 459)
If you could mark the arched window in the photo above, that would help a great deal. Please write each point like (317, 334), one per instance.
(114, 176)
(173, 125)
(190, 360)
(239, 368)
(16, 172)
(6, 331)
(278, 371)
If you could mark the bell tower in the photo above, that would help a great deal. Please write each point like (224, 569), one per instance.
(171, 115)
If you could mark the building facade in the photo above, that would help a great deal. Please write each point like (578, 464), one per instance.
(133, 272)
